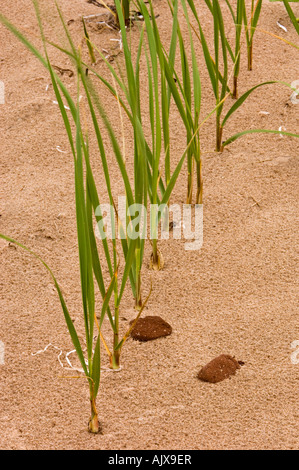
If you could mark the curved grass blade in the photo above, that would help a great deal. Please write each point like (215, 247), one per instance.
(257, 131)
(67, 317)
(89, 44)
(291, 15)
(208, 58)
(242, 98)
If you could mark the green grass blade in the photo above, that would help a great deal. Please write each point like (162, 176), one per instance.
(96, 366)
(257, 131)
(128, 266)
(221, 32)
(173, 179)
(242, 98)
(291, 15)
(195, 70)
(107, 297)
(256, 15)
(83, 238)
(208, 58)
(39, 56)
(128, 58)
(231, 11)
(67, 316)
(89, 44)
(238, 25)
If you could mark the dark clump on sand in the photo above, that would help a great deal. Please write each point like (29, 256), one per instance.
(149, 328)
(219, 369)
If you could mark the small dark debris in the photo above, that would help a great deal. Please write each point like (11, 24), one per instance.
(94, 2)
(62, 71)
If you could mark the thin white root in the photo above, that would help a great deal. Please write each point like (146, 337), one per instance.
(59, 356)
(71, 367)
(281, 26)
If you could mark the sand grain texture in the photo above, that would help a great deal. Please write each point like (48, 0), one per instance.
(238, 295)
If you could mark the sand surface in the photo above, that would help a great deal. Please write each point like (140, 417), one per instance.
(238, 295)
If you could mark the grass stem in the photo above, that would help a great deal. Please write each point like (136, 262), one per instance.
(235, 90)
(94, 425)
(250, 55)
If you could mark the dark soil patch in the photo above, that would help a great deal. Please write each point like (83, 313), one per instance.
(219, 369)
(150, 327)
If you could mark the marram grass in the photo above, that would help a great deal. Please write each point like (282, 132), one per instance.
(166, 89)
